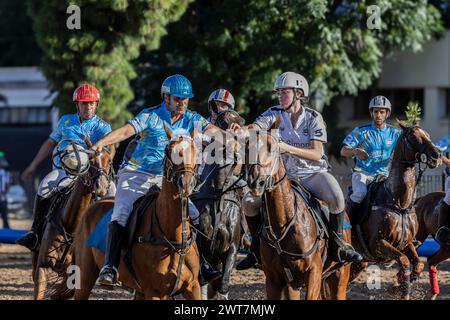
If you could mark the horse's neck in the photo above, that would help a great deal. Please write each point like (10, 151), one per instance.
(169, 211)
(280, 201)
(401, 180)
(79, 200)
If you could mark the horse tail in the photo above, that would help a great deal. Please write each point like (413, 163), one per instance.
(222, 239)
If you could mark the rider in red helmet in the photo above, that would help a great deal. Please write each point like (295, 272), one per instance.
(71, 126)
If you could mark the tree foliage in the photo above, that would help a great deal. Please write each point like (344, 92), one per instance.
(101, 52)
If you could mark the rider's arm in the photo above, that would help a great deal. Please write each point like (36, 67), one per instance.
(446, 160)
(347, 151)
(115, 136)
(313, 153)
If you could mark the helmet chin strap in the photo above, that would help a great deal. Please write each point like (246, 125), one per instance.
(294, 99)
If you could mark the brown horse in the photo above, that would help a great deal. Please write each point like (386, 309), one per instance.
(427, 210)
(293, 253)
(162, 268)
(389, 230)
(54, 256)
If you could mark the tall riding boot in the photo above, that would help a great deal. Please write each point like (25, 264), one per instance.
(206, 272)
(4, 212)
(253, 256)
(341, 251)
(353, 211)
(443, 233)
(31, 239)
(109, 274)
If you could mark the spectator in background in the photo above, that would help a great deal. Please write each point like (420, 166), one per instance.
(5, 183)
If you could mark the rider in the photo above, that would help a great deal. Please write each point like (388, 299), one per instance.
(372, 146)
(143, 168)
(71, 126)
(443, 233)
(303, 133)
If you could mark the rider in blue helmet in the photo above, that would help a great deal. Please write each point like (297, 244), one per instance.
(142, 167)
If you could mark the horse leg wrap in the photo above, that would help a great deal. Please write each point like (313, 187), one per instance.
(405, 276)
(434, 282)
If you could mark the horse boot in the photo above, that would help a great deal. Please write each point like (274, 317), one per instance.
(109, 274)
(253, 255)
(31, 239)
(341, 251)
(443, 233)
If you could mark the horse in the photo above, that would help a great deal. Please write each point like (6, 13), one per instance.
(55, 254)
(218, 201)
(293, 247)
(427, 210)
(164, 255)
(387, 233)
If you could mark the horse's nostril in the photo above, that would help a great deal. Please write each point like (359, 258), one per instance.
(261, 183)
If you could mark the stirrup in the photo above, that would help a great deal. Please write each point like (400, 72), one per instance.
(109, 272)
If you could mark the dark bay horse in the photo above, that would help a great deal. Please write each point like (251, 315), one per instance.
(218, 202)
(166, 264)
(55, 253)
(427, 210)
(293, 249)
(391, 226)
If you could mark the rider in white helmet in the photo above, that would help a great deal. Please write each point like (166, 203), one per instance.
(303, 133)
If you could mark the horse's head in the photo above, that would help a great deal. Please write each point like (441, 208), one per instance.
(180, 164)
(100, 171)
(417, 147)
(227, 117)
(262, 160)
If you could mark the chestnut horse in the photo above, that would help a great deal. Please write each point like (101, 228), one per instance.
(293, 251)
(163, 267)
(391, 226)
(427, 210)
(54, 255)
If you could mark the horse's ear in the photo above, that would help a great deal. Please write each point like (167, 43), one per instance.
(168, 131)
(88, 141)
(276, 124)
(401, 124)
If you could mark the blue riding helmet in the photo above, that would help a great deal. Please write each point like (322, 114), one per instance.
(178, 86)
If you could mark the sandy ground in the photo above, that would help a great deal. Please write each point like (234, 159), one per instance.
(16, 282)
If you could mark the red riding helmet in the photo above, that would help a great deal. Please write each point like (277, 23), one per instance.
(86, 93)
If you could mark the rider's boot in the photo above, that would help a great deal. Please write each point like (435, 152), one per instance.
(443, 233)
(253, 256)
(109, 274)
(341, 251)
(31, 239)
(353, 210)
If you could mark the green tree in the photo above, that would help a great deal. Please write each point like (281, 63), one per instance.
(243, 45)
(101, 52)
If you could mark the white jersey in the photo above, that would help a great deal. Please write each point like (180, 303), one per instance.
(310, 126)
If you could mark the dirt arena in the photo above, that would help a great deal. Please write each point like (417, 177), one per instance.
(16, 282)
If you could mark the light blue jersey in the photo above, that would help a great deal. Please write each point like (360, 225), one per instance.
(147, 151)
(379, 145)
(444, 144)
(69, 127)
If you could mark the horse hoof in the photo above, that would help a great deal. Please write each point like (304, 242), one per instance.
(433, 297)
(204, 291)
(221, 296)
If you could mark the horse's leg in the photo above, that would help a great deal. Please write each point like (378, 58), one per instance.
(273, 289)
(291, 293)
(138, 295)
(418, 265)
(40, 283)
(386, 249)
(193, 291)
(433, 261)
(337, 284)
(88, 273)
(228, 264)
(314, 283)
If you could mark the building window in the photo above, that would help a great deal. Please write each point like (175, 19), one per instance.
(399, 99)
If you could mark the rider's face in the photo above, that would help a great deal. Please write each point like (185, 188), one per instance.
(87, 109)
(379, 116)
(286, 97)
(177, 106)
(220, 106)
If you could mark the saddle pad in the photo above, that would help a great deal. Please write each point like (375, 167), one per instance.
(97, 238)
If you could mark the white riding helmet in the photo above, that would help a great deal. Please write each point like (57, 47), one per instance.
(380, 102)
(292, 80)
(221, 95)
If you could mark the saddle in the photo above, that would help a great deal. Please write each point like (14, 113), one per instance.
(139, 208)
